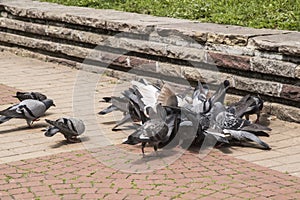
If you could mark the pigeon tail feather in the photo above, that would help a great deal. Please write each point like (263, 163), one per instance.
(4, 119)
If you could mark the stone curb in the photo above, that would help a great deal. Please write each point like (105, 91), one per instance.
(259, 61)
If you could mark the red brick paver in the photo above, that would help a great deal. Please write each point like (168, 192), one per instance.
(89, 178)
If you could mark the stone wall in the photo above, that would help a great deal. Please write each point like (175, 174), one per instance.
(259, 61)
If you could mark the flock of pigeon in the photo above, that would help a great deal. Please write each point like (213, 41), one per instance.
(162, 117)
(167, 119)
(32, 106)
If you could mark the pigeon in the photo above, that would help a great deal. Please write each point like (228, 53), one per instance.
(106, 99)
(202, 104)
(240, 107)
(30, 95)
(255, 108)
(117, 103)
(153, 131)
(228, 120)
(202, 121)
(220, 93)
(149, 93)
(248, 105)
(245, 136)
(167, 96)
(170, 118)
(69, 127)
(238, 128)
(28, 109)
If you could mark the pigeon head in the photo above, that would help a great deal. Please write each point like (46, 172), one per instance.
(226, 83)
(50, 131)
(48, 103)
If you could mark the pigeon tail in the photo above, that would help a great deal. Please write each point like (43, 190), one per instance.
(107, 110)
(4, 119)
(107, 99)
(131, 140)
(125, 119)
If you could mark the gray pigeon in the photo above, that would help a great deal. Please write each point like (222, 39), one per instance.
(224, 119)
(255, 108)
(202, 104)
(153, 131)
(238, 128)
(248, 105)
(117, 103)
(69, 127)
(241, 136)
(29, 109)
(30, 95)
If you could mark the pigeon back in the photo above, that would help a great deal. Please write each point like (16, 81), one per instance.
(69, 126)
(30, 95)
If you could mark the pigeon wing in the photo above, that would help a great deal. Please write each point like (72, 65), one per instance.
(254, 138)
(32, 109)
(12, 112)
(64, 125)
(167, 96)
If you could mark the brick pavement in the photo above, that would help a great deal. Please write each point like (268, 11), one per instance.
(79, 175)
(36, 167)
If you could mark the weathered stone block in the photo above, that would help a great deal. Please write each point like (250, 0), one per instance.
(274, 67)
(174, 37)
(217, 33)
(227, 39)
(258, 86)
(286, 43)
(230, 61)
(291, 92)
(194, 74)
(284, 112)
(142, 64)
(70, 50)
(297, 72)
(169, 69)
(207, 76)
(232, 50)
(128, 45)
(53, 31)
(188, 54)
(187, 28)
(268, 55)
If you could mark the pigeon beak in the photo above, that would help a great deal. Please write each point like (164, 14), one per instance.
(53, 105)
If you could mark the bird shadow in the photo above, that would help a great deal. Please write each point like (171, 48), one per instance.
(109, 122)
(65, 142)
(229, 148)
(162, 154)
(36, 126)
(224, 148)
